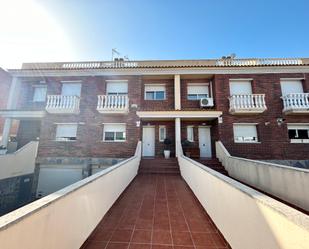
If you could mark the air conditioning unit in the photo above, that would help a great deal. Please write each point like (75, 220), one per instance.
(206, 102)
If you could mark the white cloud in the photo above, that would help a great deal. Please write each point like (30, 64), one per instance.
(28, 33)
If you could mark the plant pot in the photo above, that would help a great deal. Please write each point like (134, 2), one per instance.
(188, 154)
(167, 154)
(3, 151)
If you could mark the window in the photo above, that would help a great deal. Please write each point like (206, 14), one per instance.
(66, 132)
(162, 133)
(245, 133)
(71, 89)
(154, 92)
(190, 133)
(114, 132)
(117, 88)
(39, 93)
(298, 133)
(291, 86)
(240, 87)
(197, 91)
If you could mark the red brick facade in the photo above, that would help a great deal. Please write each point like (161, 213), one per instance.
(273, 139)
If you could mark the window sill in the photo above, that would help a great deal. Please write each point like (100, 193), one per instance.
(69, 141)
(246, 142)
(155, 99)
(122, 141)
(299, 141)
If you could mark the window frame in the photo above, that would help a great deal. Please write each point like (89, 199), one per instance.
(188, 128)
(301, 125)
(162, 127)
(199, 96)
(246, 141)
(154, 92)
(64, 140)
(115, 133)
(35, 87)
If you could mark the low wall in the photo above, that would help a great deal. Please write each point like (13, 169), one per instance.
(288, 183)
(21, 162)
(245, 217)
(66, 218)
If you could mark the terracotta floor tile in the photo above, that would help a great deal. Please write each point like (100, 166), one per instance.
(122, 235)
(156, 212)
(114, 245)
(203, 239)
(141, 236)
(161, 237)
(182, 238)
(161, 247)
(139, 246)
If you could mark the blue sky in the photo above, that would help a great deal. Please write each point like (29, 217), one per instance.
(89, 29)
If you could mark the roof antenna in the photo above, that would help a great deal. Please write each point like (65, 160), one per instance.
(114, 51)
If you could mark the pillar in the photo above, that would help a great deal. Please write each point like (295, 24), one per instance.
(177, 94)
(177, 135)
(11, 104)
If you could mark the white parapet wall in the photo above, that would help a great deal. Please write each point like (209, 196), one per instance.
(67, 217)
(247, 219)
(21, 162)
(288, 183)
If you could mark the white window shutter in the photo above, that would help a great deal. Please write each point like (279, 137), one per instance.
(70, 89)
(240, 87)
(117, 87)
(114, 127)
(39, 94)
(291, 86)
(245, 131)
(154, 88)
(198, 89)
(66, 130)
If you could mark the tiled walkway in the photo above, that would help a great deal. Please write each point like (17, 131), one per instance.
(156, 212)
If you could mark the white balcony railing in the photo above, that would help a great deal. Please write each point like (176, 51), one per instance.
(113, 103)
(296, 103)
(62, 104)
(247, 103)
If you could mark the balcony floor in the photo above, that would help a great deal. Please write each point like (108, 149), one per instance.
(156, 212)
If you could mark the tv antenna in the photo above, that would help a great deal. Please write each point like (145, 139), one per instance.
(114, 52)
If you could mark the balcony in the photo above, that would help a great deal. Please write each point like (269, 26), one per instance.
(62, 104)
(296, 103)
(247, 104)
(113, 104)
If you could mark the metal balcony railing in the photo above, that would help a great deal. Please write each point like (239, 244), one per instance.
(113, 103)
(247, 103)
(296, 103)
(62, 104)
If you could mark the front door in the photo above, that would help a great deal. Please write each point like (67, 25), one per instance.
(204, 141)
(148, 141)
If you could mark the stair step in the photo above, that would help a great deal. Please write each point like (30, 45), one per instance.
(159, 166)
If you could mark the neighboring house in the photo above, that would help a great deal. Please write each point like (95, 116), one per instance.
(5, 82)
(92, 114)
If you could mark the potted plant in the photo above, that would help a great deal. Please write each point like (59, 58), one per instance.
(167, 149)
(185, 145)
(3, 150)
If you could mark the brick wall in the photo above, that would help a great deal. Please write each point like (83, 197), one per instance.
(170, 133)
(90, 129)
(158, 105)
(187, 104)
(274, 142)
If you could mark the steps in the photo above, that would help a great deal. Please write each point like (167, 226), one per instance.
(159, 165)
(214, 164)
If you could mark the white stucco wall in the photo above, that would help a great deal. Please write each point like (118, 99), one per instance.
(67, 217)
(288, 183)
(21, 162)
(246, 218)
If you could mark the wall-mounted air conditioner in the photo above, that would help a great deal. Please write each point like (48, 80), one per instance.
(206, 102)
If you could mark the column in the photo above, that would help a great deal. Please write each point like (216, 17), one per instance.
(11, 104)
(177, 136)
(177, 92)
(6, 132)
